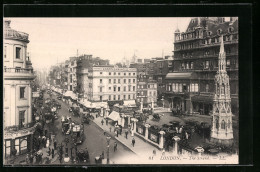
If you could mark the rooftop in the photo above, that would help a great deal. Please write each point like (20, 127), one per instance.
(10, 33)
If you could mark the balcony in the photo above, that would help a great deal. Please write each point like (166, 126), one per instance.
(19, 127)
(13, 34)
(19, 73)
(18, 70)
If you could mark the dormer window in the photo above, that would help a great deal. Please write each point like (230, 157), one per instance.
(231, 29)
(189, 30)
(209, 33)
(219, 31)
(192, 21)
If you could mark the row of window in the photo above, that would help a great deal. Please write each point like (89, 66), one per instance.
(119, 73)
(117, 88)
(151, 93)
(187, 65)
(118, 97)
(118, 81)
(18, 53)
(179, 87)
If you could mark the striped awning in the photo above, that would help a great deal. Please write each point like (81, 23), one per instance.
(179, 75)
(204, 99)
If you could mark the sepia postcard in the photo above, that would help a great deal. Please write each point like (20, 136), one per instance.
(133, 90)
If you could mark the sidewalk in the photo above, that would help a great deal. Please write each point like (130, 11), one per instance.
(141, 147)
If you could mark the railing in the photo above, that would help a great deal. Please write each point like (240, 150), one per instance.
(19, 127)
(9, 33)
(18, 70)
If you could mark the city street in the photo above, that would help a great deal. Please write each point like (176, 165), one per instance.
(95, 140)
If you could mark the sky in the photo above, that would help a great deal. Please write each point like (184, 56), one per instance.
(54, 40)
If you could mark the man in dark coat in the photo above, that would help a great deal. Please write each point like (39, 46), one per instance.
(115, 146)
(133, 142)
(102, 122)
(55, 144)
(52, 153)
(126, 133)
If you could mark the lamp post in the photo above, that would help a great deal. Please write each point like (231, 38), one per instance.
(163, 101)
(108, 141)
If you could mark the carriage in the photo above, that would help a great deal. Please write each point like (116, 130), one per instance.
(87, 117)
(83, 155)
(66, 126)
(78, 133)
(156, 116)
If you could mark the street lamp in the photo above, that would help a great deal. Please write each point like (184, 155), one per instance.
(108, 141)
(162, 101)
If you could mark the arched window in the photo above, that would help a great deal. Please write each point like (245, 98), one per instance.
(223, 124)
(216, 123)
(229, 123)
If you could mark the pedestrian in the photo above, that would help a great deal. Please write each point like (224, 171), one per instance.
(55, 144)
(44, 141)
(52, 153)
(163, 152)
(106, 121)
(126, 133)
(31, 158)
(110, 129)
(27, 159)
(154, 152)
(103, 155)
(47, 142)
(104, 133)
(116, 133)
(102, 122)
(49, 152)
(115, 146)
(133, 142)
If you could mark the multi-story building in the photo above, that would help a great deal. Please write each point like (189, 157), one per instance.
(72, 74)
(85, 62)
(17, 94)
(110, 83)
(159, 68)
(191, 84)
(146, 86)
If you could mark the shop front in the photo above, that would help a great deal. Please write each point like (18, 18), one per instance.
(202, 104)
(18, 142)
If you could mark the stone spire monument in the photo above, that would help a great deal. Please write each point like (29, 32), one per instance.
(222, 130)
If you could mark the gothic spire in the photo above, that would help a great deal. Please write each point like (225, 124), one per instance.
(222, 56)
(221, 45)
(198, 21)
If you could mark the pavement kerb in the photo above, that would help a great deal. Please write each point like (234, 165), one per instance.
(115, 138)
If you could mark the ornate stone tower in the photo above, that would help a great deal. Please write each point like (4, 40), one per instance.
(222, 130)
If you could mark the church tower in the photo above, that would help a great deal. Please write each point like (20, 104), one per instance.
(222, 130)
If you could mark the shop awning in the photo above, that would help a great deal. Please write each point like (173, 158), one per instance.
(114, 116)
(204, 99)
(179, 75)
(129, 103)
(70, 94)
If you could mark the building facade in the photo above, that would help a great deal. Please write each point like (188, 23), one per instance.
(146, 85)
(110, 83)
(17, 94)
(191, 84)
